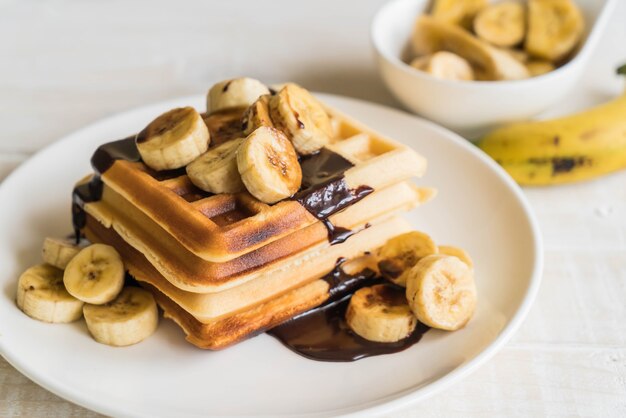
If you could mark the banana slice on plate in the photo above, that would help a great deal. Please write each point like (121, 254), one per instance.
(400, 253)
(501, 24)
(174, 139)
(95, 275)
(268, 165)
(257, 115)
(301, 117)
(41, 295)
(444, 65)
(58, 251)
(380, 313)
(238, 92)
(216, 170)
(128, 319)
(441, 292)
(458, 12)
(554, 28)
(457, 252)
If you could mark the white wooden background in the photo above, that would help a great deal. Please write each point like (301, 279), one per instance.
(65, 64)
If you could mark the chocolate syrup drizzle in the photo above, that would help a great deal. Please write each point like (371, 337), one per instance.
(322, 333)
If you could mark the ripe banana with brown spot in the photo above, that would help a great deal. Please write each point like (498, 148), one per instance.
(268, 165)
(380, 313)
(444, 65)
(174, 139)
(95, 275)
(301, 117)
(235, 93)
(257, 115)
(128, 319)
(41, 295)
(216, 170)
(401, 253)
(501, 24)
(441, 292)
(59, 251)
(579, 147)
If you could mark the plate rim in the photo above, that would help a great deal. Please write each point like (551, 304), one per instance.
(379, 406)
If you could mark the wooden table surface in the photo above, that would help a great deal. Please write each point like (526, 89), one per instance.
(65, 64)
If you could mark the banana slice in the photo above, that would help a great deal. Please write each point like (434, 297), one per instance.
(539, 67)
(257, 115)
(445, 65)
(400, 253)
(95, 275)
(441, 292)
(128, 319)
(174, 139)
(380, 313)
(269, 165)
(238, 92)
(502, 24)
(457, 12)
(554, 28)
(430, 36)
(301, 117)
(457, 252)
(216, 170)
(58, 252)
(41, 295)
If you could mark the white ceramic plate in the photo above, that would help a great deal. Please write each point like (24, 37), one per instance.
(478, 208)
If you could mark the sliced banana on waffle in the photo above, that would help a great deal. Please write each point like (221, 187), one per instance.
(128, 319)
(238, 92)
(502, 24)
(400, 253)
(216, 170)
(257, 115)
(554, 28)
(301, 117)
(95, 275)
(380, 313)
(41, 295)
(441, 292)
(174, 139)
(457, 252)
(268, 165)
(445, 65)
(58, 251)
(458, 12)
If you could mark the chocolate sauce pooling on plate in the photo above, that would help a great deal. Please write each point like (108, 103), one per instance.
(323, 334)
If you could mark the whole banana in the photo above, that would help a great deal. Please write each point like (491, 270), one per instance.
(569, 149)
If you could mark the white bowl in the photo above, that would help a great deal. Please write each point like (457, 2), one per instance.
(471, 107)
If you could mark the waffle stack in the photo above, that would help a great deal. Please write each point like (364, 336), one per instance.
(227, 266)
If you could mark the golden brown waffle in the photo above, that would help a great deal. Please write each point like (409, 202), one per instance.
(208, 307)
(220, 228)
(191, 273)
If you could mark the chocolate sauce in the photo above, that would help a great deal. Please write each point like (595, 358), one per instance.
(323, 334)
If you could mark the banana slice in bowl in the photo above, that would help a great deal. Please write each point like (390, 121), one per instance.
(502, 24)
(128, 319)
(95, 275)
(42, 296)
(380, 313)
